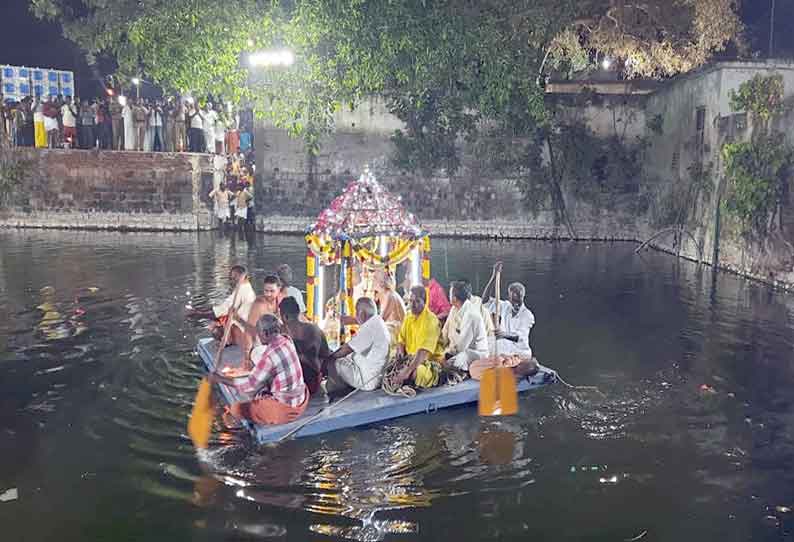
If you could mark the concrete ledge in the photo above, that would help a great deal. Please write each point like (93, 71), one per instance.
(97, 220)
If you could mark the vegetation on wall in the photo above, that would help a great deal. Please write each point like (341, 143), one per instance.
(758, 171)
(12, 171)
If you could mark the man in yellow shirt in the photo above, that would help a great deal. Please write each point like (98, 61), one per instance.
(418, 337)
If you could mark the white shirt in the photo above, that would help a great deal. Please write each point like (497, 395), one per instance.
(219, 163)
(195, 120)
(371, 350)
(155, 118)
(68, 118)
(518, 324)
(465, 329)
(294, 293)
(245, 298)
(209, 120)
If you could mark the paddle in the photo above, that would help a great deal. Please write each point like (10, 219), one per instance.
(199, 428)
(498, 394)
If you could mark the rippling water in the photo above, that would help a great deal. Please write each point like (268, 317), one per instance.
(692, 438)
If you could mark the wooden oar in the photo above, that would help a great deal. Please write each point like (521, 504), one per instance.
(199, 427)
(498, 393)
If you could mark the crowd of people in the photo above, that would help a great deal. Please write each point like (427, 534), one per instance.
(125, 123)
(232, 192)
(287, 358)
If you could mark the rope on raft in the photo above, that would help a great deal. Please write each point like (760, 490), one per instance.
(576, 388)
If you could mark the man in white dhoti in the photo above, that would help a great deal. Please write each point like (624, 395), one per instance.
(128, 115)
(516, 321)
(359, 362)
(464, 331)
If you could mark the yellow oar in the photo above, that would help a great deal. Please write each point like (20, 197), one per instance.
(199, 428)
(498, 393)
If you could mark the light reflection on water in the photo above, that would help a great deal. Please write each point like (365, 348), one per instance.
(692, 436)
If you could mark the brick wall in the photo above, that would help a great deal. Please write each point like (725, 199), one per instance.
(113, 190)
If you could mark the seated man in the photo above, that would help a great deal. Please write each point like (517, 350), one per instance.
(392, 307)
(464, 332)
(419, 337)
(309, 341)
(275, 391)
(284, 273)
(359, 362)
(242, 305)
(516, 321)
(267, 303)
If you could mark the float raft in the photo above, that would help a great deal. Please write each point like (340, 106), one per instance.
(362, 408)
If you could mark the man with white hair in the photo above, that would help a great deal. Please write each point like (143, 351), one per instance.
(359, 362)
(515, 322)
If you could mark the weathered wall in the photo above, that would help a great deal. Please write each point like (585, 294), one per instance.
(680, 147)
(110, 190)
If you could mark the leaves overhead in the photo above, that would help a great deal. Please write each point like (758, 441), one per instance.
(443, 66)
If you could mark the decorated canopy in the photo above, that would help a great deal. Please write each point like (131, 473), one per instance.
(368, 225)
(380, 230)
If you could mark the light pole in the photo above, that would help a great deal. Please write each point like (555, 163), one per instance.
(137, 82)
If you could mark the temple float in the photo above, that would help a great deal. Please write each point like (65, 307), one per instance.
(365, 228)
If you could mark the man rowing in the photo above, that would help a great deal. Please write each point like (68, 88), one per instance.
(310, 342)
(464, 331)
(359, 362)
(242, 305)
(515, 322)
(274, 390)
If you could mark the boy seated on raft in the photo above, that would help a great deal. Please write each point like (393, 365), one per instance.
(419, 337)
(274, 389)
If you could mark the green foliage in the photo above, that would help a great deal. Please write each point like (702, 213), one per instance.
(761, 96)
(758, 175)
(678, 206)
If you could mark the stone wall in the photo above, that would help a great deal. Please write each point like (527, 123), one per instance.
(110, 190)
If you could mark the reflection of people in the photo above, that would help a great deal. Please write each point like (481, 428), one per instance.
(274, 389)
(309, 341)
(516, 321)
(419, 337)
(359, 362)
(465, 331)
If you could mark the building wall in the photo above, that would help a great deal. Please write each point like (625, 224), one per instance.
(110, 190)
(679, 147)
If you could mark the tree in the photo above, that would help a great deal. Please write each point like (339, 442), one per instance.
(660, 38)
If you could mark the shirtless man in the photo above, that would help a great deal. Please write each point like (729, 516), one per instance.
(267, 303)
(309, 341)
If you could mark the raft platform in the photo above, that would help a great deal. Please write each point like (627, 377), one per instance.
(363, 408)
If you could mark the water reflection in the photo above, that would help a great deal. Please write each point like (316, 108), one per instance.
(98, 370)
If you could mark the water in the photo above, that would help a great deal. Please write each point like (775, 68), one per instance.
(98, 372)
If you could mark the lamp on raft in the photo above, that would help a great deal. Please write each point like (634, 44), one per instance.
(369, 225)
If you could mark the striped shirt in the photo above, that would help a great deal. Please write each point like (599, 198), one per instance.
(277, 373)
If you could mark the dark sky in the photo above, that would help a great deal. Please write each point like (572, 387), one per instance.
(26, 41)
